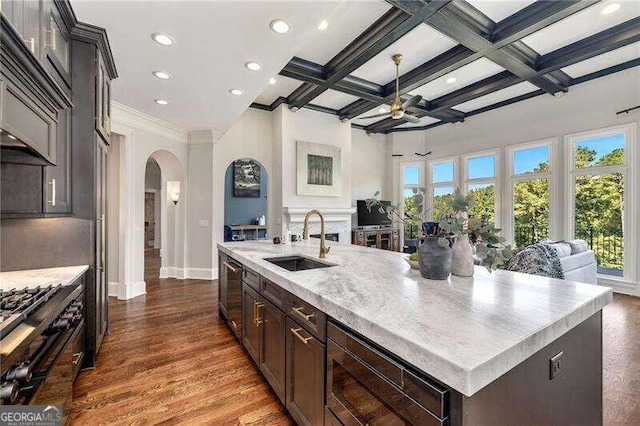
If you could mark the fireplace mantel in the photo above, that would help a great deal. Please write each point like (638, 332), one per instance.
(337, 220)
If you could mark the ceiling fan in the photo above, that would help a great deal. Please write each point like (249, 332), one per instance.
(400, 110)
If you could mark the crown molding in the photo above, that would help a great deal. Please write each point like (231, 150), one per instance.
(92, 34)
(130, 117)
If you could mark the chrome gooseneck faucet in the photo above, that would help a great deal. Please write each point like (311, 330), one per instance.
(305, 234)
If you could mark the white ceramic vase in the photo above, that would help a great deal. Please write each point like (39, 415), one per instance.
(462, 257)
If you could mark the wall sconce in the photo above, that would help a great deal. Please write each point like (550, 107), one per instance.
(173, 189)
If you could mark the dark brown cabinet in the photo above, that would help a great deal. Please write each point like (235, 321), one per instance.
(272, 322)
(100, 298)
(305, 375)
(250, 329)
(263, 336)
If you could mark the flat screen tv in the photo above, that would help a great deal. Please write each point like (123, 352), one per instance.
(373, 217)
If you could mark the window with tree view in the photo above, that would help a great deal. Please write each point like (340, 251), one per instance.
(413, 199)
(480, 182)
(530, 176)
(598, 188)
(444, 186)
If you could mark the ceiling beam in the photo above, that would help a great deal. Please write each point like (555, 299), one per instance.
(471, 28)
(392, 26)
(523, 23)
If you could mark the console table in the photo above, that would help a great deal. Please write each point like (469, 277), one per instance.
(384, 238)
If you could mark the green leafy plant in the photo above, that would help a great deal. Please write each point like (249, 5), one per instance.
(393, 211)
(483, 234)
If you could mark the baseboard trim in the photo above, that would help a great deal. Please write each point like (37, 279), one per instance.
(128, 291)
(113, 289)
(619, 286)
(200, 273)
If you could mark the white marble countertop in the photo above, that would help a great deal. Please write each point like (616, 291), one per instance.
(41, 277)
(465, 332)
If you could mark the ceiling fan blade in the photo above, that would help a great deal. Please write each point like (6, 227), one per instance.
(411, 118)
(412, 102)
(384, 114)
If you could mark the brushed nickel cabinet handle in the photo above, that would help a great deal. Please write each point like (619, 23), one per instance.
(31, 42)
(233, 324)
(302, 315)
(76, 358)
(228, 265)
(103, 243)
(258, 320)
(53, 192)
(254, 311)
(296, 332)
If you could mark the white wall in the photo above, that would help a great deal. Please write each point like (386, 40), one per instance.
(368, 166)
(200, 205)
(142, 136)
(588, 106)
(249, 137)
(113, 218)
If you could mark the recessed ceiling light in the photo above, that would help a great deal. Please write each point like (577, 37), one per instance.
(323, 25)
(253, 66)
(272, 81)
(236, 92)
(162, 75)
(610, 8)
(162, 39)
(162, 102)
(451, 80)
(279, 26)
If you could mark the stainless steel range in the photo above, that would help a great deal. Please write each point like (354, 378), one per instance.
(38, 328)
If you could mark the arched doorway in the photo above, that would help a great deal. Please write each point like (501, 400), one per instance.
(245, 201)
(164, 230)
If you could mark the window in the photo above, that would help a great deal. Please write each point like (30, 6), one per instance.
(599, 194)
(480, 181)
(412, 181)
(443, 184)
(530, 177)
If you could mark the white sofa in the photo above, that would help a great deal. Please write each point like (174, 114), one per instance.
(578, 262)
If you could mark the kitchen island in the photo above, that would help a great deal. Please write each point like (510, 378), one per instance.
(499, 348)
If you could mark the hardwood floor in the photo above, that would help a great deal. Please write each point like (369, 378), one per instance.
(169, 359)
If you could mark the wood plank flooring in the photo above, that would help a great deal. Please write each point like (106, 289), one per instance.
(169, 359)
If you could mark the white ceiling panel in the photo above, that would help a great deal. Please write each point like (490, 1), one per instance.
(581, 25)
(606, 60)
(498, 10)
(499, 96)
(376, 110)
(424, 121)
(213, 40)
(283, 87)
(334, 99)
(464, 76)
(418, 46)
(346, 22)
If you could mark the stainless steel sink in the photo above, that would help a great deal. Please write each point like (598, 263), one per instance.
(297, 263)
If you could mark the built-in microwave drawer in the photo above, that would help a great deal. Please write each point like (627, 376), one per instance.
(251, 278)
(359, 354)
(312, 319)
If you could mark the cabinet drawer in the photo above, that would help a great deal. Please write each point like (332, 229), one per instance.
(429, 394)
(78, 349)
(273, 293)
(312, 319)
(251, 278)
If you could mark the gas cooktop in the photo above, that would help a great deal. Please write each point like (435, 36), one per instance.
(16, 305)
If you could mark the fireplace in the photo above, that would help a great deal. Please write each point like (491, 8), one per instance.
(333, 236)
(337, 222)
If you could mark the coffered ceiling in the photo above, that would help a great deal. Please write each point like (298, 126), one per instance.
(462, 57)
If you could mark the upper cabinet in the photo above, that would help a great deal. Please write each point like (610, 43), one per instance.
(56, 44)
(103, 102)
